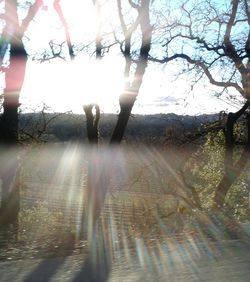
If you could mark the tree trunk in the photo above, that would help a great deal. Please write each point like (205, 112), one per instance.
(232, 171)
(92, 122)
(101, 166)
(9, 125)
(14, 78)
(126, 105)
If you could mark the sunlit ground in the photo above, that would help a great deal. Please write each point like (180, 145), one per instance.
(143, 223)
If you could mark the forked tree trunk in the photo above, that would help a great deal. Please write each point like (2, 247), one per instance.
(92, 113)
(100, 168)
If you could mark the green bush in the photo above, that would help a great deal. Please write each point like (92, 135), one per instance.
(207, 170)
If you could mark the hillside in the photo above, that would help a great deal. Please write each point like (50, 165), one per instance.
(70, 127)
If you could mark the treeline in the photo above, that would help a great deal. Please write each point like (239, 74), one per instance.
(58, 127)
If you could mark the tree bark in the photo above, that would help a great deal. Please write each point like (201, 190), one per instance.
(232, 170)
(92, 122)
(101, 165)
(14, 77)
(126, 105)
(10, 202)
(128, 98)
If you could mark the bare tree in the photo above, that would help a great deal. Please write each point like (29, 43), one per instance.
(214, 40)
(12, 35)
(131, 89)
(100, 161)
(92, 110)
(14, 74)
(65, 26)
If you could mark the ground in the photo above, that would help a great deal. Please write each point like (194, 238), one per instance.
(197, 260)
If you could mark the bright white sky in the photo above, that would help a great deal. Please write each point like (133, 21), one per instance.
(65, 85)
(68, 86)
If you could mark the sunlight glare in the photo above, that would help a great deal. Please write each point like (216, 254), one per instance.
(68, 86)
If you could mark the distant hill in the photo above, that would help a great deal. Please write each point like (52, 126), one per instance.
(69, 127)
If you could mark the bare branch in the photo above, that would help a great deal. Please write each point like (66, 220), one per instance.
(203, 66)
(134, 5)
(202, 42)
(127, 31)
(231, 21)
(98, 40)
(146, 29)
(247, 45)
(130, 93)
(31, 14)
(12, 30)
(122, 21)
(65, 25)
(229, 48)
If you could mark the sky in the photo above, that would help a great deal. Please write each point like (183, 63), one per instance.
(66, 85)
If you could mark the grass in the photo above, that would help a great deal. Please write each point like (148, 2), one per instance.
(138, 205)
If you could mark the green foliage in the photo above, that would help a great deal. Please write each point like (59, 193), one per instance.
(207, 168)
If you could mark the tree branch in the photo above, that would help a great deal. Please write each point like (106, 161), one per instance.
(98, 39)
(247, 45)
(134, 5)
(229, 48)
(203, 66)
(58, 9)
(31, 14)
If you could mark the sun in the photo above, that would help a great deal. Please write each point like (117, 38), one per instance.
(104, 82)
(63, 84)
(66, 85)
